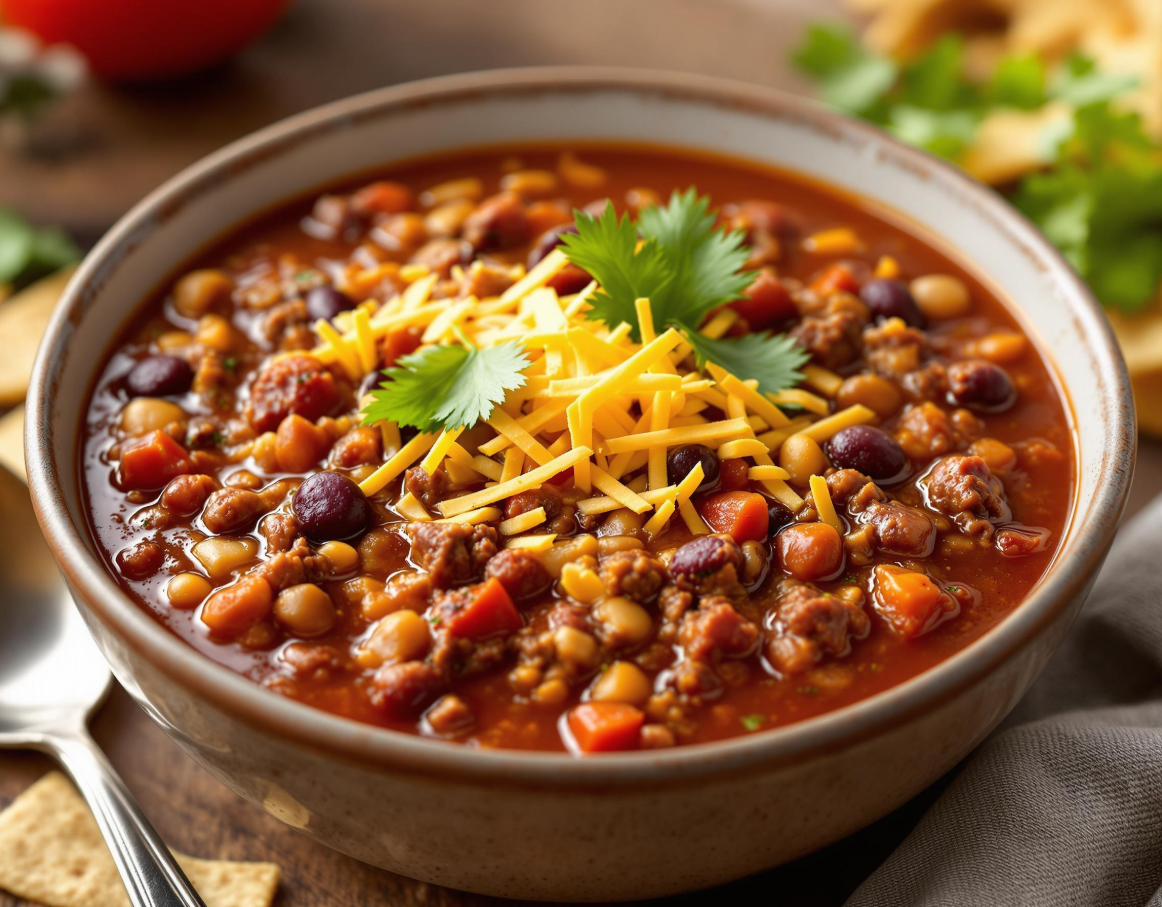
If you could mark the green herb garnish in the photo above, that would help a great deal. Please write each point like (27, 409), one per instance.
(1099, 197)
(686, 267)
(752, 722)
(447, 386)
(28, 252)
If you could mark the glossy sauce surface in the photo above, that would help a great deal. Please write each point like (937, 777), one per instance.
(750, 694)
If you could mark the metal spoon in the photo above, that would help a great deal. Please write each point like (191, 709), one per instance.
(52, 678)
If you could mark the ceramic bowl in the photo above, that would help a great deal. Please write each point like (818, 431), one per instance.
(551, 826)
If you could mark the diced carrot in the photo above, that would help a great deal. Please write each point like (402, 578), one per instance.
(234, 609)
(909, 601)
(299, 444)
(810, 551)
(490, 611)
(603, 727)
(835, 278)
(742, 515)
(382, 198)
(151, 461)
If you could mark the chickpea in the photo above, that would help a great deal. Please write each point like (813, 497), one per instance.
(187, 590)
(802, 457)
(146, 414)
(172, 341)
(611, 544)
(215, 332)
(553, 559)
(379, 551)
(941, 296)
(876, 393)
(551, 692)
(530, 184)
(1001, 347)
(575, 647)
(998, 455)
(446, 220)
(623, 681)
(198, 291)
(400, 636)
(621, 522)
(299, 444)
(754, 561)
(625, 622)
(305, 610)
(810, 551)
(341, 556)
(470, 188)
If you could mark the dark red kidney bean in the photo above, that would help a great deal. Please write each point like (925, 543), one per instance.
(981, 386)
(869, 450)
(889, 298)
(780, 516)
(141, 560)
(159, 376)
(548, 241)
(682, 459)
(705, 555)
(331, 507)
(569, 280)
(326, 302)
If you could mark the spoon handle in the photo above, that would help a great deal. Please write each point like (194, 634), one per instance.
(152, 877)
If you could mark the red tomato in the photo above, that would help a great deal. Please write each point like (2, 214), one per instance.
(765, 302)
(133, 40)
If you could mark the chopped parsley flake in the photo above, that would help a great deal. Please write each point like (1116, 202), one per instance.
(752, 722)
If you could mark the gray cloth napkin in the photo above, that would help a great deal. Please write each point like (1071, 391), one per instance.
(1063, 804)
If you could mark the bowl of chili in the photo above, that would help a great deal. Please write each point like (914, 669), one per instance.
(500, 455)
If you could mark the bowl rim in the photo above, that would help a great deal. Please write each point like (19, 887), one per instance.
(386, 749)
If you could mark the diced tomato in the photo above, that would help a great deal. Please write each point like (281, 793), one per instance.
(564, 477)
(742, 515)
(151, 461)
(910, 602)
(765, 302)
(835, 278)
(490, 611)
(603, 727)
(400, 343)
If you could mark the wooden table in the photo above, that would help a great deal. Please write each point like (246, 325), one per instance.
(109, 148)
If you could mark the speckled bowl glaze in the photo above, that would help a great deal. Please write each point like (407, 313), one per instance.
(550, 826)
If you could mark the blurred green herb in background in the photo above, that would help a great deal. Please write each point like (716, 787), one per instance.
(1099, 195)
(28, 252)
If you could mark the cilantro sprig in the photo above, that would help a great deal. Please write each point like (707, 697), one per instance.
(447, 386)
(1099, 196)
(678, 258)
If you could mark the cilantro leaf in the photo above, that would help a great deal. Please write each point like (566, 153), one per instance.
(705, 264)
(945, 133)
(1079, 82)
(447, 386)
(774, 360)
(933, 80)
(606, 247)
(849, 77)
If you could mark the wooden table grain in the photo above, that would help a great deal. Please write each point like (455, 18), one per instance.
(106, 149)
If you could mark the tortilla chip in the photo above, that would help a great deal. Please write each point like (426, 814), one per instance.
(1010, 143)
(1140, 337)
(23, 319)
(51, 851)
(12, 440)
